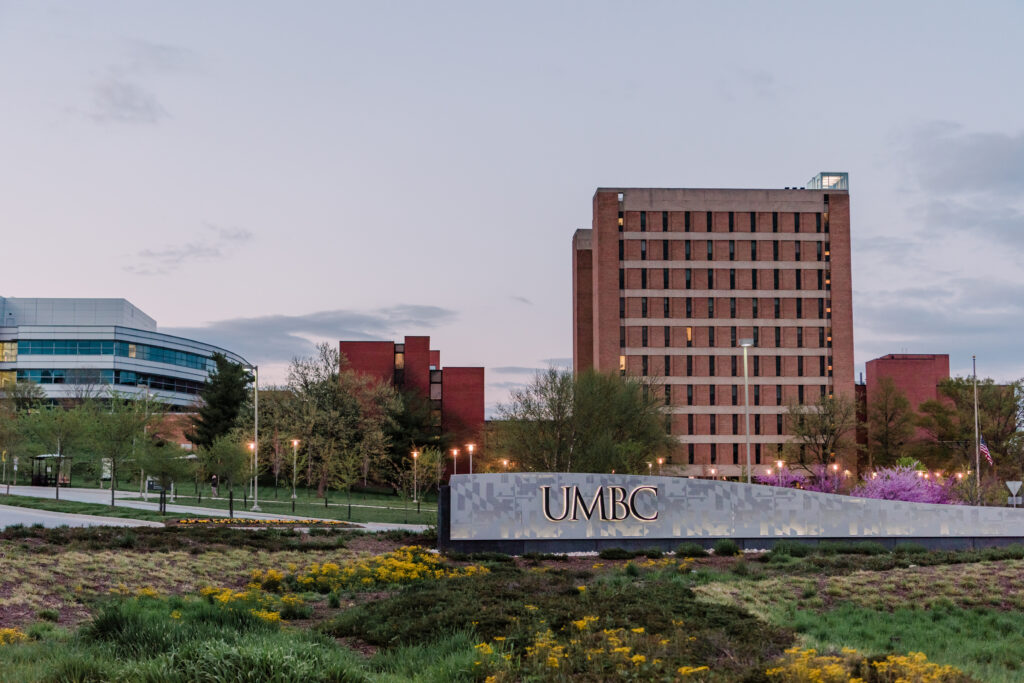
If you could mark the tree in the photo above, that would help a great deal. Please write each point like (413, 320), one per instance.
(226, 457)
(118, 433)
(588, 422)
(23, 396)
(905, 483)
(221, 399)
(819, 430)
(341, 417)
(949, 422)
(58, 431)
(891, 424)
(167, 463)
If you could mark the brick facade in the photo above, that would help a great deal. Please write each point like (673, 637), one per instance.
(456, 393)
(917, 376)
(677, 277)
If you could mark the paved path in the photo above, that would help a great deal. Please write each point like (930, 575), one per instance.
(103, 497)
(10, 514)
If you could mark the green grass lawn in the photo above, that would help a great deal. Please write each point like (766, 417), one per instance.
(100, 510)
(390, 509)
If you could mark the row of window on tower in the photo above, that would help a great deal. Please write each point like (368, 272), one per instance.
(692, 219)
(795, 366)
(713, 460)
(756, 279)
(794, 337)
(779, 308)
(822, 251)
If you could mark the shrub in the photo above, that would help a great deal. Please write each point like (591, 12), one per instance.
(333, 600)
(726, 547)
(652, 553)
(691, 550)
(909, 549)
(631, 569)
(791, 548)
(616, 554)
(49, 614)
(851, 548)
(905, 483)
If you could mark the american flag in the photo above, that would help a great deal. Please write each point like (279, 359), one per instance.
(984, 451)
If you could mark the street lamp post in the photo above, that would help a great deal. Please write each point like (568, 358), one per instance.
(415, 481)
(661, 461)
(256, 438)
(746, 343)
(505, 463)
(455, 461)
(295, 459)
(470, 448)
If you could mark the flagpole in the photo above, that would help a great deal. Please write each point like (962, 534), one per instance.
(977, 442)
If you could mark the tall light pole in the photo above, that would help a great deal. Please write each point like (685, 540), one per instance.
(415, 481)
(470, 448)
(661, 461)
(256, 438)
(295, 458)
(455, 461)
(746, 343)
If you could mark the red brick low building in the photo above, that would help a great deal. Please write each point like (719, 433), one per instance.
(456, 394)
(915, 375)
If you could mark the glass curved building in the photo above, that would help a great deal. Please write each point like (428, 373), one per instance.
(80, 347)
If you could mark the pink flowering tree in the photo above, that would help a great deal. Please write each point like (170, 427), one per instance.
(782, 476)
(905, 483)
(824, 480)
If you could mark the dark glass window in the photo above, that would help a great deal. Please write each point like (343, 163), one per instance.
(796, 222)
(732, 278)
(664, 278)
(732, 250)
(643, 336)
(643, 221)
(643, 278)
(709, 221)
(668, 340)
(711, 336)
(686, 250)
(799, 337)
(689, 366)
(711, 367)
(800, 394)
(821, 308)
(775, 278)
(665, 312)
(622, 307)
(711, 250)
(732, 307)
(778, 306)
(689, 307)
(732, 337)
(757, 336)
(757, 394)
(622, 337)
(734, 363)
(689, 455)
(817, 222)
(796, 250)
(622, 278)
(753, 221)
(753, 305)
(799, 308)
(689, 400)
(711, 393)
(622, 250)
(731, 226)
(643, 307)
(753, 250)
(778, 401)
(775, 250)
(800, 366)
(714, 425)
(664, 250)
(686, 221)
(689, 282)
(757, 366)
(711, 279)
(735, 451)
(711, 308)
(775, 221)
(778, 337)
(643, 250)
(778, 367)
(664, 221)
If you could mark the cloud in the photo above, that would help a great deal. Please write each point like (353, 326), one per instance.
(559, 362)
(946, 159)
(279, 338)
(521, 299)
(966, 316)
(123, 96)
(119, 101)
(999, 222)
(745, 83)
(514, 370)
(212, 245)
(507, 386)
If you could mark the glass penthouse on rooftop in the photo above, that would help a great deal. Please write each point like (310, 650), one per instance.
(78, 347)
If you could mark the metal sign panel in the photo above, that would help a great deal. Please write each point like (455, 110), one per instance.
(570, 506)
(1014, 486)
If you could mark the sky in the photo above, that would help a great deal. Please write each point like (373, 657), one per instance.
(269, 175)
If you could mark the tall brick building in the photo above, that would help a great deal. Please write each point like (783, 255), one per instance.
(667, 282)
(456, 394)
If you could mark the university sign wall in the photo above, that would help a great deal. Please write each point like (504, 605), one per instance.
(564, 512)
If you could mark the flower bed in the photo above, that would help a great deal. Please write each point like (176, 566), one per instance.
(244, 521)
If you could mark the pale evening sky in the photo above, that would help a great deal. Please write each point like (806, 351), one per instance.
(263, 175)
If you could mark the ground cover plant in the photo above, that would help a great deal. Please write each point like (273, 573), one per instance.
(218, 604)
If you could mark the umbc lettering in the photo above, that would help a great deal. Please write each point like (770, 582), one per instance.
(616, 506)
